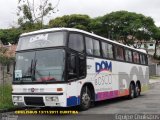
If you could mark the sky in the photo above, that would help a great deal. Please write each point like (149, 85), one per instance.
(93, 8)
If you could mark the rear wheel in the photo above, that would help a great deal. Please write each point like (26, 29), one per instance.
(85, 98)
(131, 91)
(137, 90)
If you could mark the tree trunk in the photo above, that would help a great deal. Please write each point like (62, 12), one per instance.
(155, 50)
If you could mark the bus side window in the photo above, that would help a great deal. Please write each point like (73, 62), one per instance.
(119, 53)
(142, 59)
(96, 47)
(107, 50)
(92, 46)
(128, 55)
(136, 57)
(76, 42)
(72, 66)
(89, 46)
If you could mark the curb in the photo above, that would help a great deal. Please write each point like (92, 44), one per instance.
(155, 82)
(152, 84)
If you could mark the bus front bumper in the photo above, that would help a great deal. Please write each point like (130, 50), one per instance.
(39, 100)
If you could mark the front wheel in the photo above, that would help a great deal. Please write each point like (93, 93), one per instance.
(85, 98)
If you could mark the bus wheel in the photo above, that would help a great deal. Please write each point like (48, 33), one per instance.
(85, 99)
(131, 91)
(137, 90)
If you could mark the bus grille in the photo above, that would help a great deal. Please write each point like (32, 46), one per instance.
(35, 101)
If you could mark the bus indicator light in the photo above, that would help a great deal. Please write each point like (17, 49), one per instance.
(59, 89)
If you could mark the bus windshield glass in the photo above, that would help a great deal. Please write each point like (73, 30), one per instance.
(40, 66)
(42, 40)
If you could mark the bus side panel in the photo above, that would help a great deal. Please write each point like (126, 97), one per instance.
(73, 94)
(100, 73)
(128, 72)
(112, 78)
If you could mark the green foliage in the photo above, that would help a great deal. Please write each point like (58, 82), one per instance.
(72, 21)
(5, 97)
(30, 13)
(156, 57)
(156, 34)
(28, 27)
(9, 35)
(96, 26)
(4, 59)
(156, 37)
(122, 24)
(59, 21)
(27, 13)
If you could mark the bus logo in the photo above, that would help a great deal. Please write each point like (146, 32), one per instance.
(32, 89)
(38, 38)
(103, 66)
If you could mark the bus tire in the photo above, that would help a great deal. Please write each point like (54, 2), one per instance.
(137, 90)
(131, 91)
(85, 99)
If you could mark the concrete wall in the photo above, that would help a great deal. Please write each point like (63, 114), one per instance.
(158, 70)
(154, 70)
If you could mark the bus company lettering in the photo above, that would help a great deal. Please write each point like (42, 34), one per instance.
(136, 73)
(104, 75)
(39, 37)
(103, 66)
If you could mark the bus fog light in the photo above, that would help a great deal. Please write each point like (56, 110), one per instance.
(55, 99)
(17, 98)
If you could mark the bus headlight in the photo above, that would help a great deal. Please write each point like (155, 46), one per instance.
(54, 99)
(17, 98)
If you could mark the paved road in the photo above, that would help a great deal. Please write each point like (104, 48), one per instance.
(147, 103)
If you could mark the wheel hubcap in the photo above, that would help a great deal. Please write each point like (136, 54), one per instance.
(85, 99)
(137, 90)
(132, 93)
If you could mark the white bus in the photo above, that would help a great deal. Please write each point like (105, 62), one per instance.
(64, 67)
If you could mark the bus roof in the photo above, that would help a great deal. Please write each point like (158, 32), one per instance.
(81, 31)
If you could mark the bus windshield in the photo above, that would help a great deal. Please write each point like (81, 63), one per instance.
(40, 66)
(42, 40)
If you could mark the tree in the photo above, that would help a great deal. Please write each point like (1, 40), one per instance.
(156, 36)
(5, 57)
(126, 27)
(59, 21)
(30, 13)
(96, 26)
(10, 35)
(71, 21)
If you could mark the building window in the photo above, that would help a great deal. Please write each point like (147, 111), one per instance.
(151, 44)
